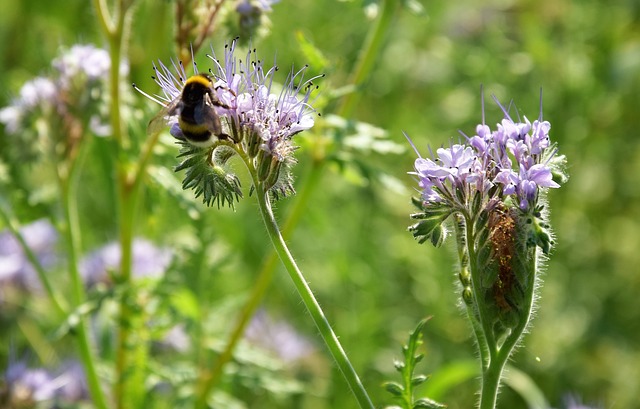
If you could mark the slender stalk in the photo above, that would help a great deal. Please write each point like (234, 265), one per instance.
(309, 300)
(486, 329)
(209, 379)
(115, 29)
(463, 256)
(370, 50)
(362, 70)
(72, 233)
(12, 224)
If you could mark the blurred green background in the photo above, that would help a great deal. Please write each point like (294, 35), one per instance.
(373, 280)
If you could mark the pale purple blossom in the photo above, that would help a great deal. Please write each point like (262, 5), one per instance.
(511, 157)
(251, 105)
(149, 261)
(278, 337)
(24, 385)
(79, 75)
(15, 268)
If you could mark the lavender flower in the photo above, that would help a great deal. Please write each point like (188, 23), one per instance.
(15, 268)
(252, 16)
(75, 88)
(258, 121)
(574, 402)
(26, 386)
(493, 188)
(278, 337)
(148, 261)
(514, 161)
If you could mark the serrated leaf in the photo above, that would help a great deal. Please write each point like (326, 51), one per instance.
(404, 393)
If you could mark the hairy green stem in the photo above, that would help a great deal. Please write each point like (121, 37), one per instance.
(309, 300)
(209, 379)
(463, 256)
(494, 357)
(362, 70)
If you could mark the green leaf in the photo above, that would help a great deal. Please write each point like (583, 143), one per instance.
(207, 175)
(403, 393)
(312, 54)
(420, 379)
(394, 388)
(425, 403)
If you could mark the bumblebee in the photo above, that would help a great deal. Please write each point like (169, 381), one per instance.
(198, 123)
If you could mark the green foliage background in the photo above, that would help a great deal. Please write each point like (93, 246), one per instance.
(374, 282)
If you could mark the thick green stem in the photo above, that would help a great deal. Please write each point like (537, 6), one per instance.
(463, 256)
(309, 300)
(495, 356)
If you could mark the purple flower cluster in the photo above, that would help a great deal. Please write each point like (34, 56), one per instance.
(15, 268)
(26, 386)
(251, 109)
(79, 74)
(148, 261)
(512, 160)
(278, 337)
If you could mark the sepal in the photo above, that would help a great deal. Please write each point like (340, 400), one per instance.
(430, 227)
(207, 174)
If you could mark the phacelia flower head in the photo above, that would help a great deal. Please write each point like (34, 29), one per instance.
(58, 109)
(515, 160)
(514, 164)
(238, 106)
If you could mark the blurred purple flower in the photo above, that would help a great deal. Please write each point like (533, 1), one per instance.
(176, 339)
(27, 385)
(77, 71)
(279, 337)
(71, 382)
(574, 402)
(148, 261)
(15, 268)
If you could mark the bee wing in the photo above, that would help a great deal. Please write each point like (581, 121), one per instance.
(162, 118)
(207, 115)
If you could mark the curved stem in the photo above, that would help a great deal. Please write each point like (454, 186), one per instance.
(309, 300)
(211, 378)
(463, 256)
(486, 329)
